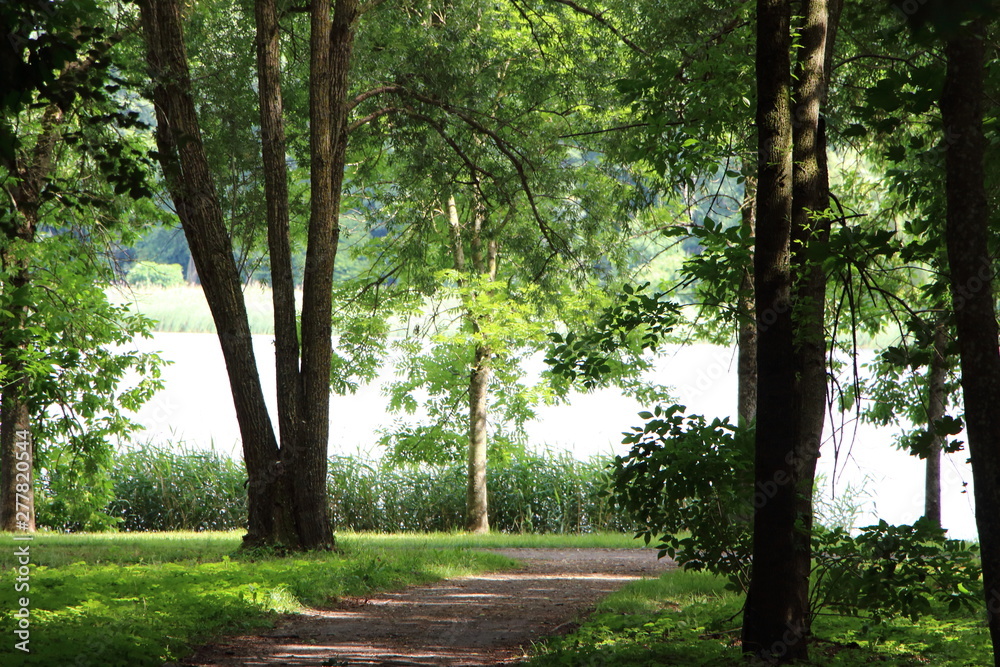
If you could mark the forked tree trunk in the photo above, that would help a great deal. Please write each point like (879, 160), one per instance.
(287, 483)
(791, 391)
(972, 272)
(192, 189)
(937, 397)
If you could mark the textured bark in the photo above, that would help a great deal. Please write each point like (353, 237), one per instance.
(810, 228)
(17, 450)
(791, 393)
(192, 189)
(484, 263)
(936, 399)
(772, 607)
(331, 45)
(972, 295)
(747, 336)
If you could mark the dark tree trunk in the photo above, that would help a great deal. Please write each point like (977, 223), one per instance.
(747, 335)
(287, 488)
(273, 150)
(972, 295)
(810, 228)
(773, 610)
(937, 397)
(331, 46)
(791, 389)
(192, 188)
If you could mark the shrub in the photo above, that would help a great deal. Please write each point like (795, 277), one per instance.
(530, 493)
(154, 274)
(161, 489)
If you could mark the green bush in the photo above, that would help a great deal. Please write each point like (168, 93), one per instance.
(153, 274)
(166, 489)
(160, 489)
(530, 493)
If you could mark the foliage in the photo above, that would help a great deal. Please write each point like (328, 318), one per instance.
(145, 488)
(158, 489)
(613, 345)
(529, 493)
(145, 274)
(83, 379)
(684, 618)
(689, 481)
(153, 599)
(894, 571)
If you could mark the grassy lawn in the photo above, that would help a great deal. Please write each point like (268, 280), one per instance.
(688, 619)
(136, 599)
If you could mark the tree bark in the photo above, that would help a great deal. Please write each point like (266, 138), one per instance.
(331, 45)
(484, 263)
(773, 610)
(810, 228)
(937, 396)
(791, 392)
(747, 334)
(192, 188)
(972, 273)
(17, 446)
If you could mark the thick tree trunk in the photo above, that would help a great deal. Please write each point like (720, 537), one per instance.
(192, 189)
(774, 618)
(791, 391)
(937, 397)
(972, 295)
(331, 46)
(810, 228)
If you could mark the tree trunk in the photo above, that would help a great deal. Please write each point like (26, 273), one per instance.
(937, 375)
(331, 46)
(773, 608)
(747, 335)
(972, 294)
(477, 511)
(484, 263)
(810, 228)
(791, 389)
(17, 446)
(192, 188)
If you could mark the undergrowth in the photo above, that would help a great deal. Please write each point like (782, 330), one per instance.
(689, 619)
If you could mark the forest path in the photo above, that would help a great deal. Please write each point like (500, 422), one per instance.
(486, 619)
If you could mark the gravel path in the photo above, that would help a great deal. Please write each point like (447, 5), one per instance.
(487, 619)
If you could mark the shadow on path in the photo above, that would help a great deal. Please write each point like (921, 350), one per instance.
(489, 619)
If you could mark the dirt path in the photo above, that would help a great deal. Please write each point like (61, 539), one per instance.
(488, 619)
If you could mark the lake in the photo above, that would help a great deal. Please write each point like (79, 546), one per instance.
(195, 409)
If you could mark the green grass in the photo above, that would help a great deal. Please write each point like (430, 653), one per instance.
(184, 309)
(499, 540)
(688, 619)
(144, 599)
